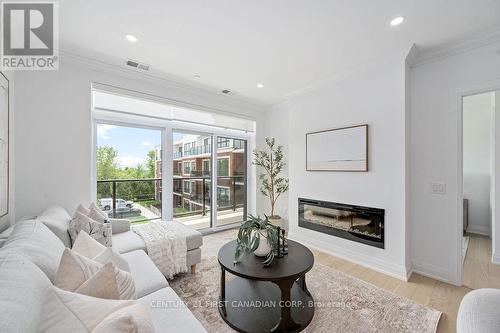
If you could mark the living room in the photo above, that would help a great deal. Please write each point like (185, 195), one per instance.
(278, 166)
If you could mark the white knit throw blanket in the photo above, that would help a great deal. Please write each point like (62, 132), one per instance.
(166, 245)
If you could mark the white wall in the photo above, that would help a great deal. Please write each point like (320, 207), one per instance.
(375, 97)
(477, 132)
(276, 125)
(53, 128)
(6, 220)
(436, 89)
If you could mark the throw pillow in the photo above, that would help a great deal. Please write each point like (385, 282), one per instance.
(75, 269)
(102, 284)
(90, 248)
(94, 214)
(93, 207)
(132, 318)
(99, 231)
(83, 210)
(67, 311)
(108, 255)
(87, 246)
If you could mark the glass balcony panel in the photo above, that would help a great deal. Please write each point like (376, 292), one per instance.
(138, 200)
(192, 181)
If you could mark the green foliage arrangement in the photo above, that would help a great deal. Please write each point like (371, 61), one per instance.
(249, 238)
(108, 169)
(272, 162)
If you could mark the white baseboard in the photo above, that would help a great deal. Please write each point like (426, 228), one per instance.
(495, 258)
(376, 264)
(432, 271)
(479, 229)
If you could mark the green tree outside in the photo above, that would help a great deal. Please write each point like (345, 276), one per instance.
(108, 169)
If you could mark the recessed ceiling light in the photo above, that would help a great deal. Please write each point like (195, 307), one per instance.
(131, 38)
(260, 85)
(397, 21)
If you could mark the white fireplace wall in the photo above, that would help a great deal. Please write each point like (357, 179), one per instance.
(375, 96)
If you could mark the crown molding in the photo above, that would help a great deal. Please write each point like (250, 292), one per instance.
(411, 57)
(457, 47)
(374, 64)
(157, 78)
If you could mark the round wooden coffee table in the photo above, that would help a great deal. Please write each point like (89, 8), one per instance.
(266, 299)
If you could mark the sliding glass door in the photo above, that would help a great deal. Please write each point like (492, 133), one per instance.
(231, 180)
(191, 160)
(195, 198)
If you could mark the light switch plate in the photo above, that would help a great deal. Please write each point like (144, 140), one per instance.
(438, 188)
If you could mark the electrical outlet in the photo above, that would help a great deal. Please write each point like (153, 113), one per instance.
(438, 188)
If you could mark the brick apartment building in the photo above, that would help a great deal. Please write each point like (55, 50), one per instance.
(192, 174)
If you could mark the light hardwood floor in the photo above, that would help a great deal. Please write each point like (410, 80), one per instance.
(479, 271)
(438, 295)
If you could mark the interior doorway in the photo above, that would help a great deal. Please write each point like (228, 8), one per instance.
(479, 115)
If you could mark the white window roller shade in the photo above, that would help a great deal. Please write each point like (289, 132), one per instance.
(106, 102)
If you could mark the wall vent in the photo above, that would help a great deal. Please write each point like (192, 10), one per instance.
(138, 65)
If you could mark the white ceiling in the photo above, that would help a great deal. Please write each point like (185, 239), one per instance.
(285, 44)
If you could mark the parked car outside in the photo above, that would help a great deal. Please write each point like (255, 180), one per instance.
(124, 212)
(107, 203)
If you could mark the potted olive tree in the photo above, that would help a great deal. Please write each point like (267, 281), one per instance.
(273, 185)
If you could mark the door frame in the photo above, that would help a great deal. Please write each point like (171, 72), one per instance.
(214, 133)
(460, 175)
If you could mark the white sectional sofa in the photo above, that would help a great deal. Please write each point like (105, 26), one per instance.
(124, 240)
(29, 260)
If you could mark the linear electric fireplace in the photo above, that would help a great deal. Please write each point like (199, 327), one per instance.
(360, 224)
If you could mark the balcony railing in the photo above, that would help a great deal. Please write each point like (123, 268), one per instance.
(207, 149)
(200, 195)
(138, 200)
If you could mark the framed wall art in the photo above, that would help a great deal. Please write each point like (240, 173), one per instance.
(338, 149)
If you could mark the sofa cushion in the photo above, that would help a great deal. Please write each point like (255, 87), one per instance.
(130, 241)
(57, 220)
(119, 225)
(22, 292)
(35, 241)
(169, 313)
(147, 277)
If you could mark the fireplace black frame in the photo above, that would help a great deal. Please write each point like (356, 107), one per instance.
(376, 213)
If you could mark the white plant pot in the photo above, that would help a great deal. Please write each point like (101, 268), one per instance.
(276, 221)
(264, 247)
